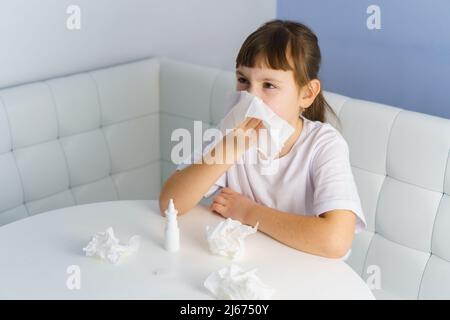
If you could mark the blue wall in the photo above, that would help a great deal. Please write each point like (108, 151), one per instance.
(406, 63)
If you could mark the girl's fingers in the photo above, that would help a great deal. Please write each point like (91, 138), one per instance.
(249, 123)
(254, 123)
(244, 123)
(220, 199)
(218, 208)
(226, 196)
(260, 126)
(228, 190)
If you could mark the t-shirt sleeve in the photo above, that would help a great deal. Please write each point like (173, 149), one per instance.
(196, 156)
(334, 184)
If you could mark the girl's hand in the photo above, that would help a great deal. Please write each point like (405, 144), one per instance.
(235, 143)
(247, 131)
(231, 204)
(250, 123)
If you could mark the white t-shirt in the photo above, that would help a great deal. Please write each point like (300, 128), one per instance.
(314, 177)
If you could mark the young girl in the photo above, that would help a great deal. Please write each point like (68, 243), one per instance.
(311, 203)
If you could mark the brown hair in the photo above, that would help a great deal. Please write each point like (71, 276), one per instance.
(275, 40)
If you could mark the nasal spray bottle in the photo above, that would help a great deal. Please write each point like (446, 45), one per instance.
(172, 240)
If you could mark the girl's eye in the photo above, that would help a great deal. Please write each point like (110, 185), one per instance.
(266, 85)
(269, 85)
(242, 80)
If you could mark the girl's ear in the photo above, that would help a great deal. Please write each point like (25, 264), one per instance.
(309, 92)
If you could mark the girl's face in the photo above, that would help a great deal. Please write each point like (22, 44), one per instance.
(277, 88)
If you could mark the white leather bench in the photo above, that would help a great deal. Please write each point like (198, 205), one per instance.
(105, 135)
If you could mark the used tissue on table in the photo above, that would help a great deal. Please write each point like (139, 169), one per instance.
(107, 247)
(234, 283)
(227, 238)
(243, 105)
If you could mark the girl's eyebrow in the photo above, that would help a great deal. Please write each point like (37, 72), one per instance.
(265, 79)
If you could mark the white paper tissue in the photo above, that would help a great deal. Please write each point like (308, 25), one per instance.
(227, 238)
(241, 105)
(107, 247)
(234, 283)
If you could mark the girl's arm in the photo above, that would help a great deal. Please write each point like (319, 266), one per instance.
(329, 235)
(188, 186)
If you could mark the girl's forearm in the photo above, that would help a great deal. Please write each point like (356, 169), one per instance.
(188, 186)
(315, 235)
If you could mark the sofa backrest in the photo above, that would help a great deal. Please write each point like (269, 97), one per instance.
(401, 164)
(92, 136)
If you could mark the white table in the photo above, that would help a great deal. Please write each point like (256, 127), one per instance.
(36, 252)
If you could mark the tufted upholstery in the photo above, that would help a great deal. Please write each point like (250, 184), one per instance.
(106, 134)
(87, 137)
(400, 161)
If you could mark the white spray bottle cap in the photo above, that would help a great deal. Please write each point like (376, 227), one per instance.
(171, 211)
(171, 207)
(172, 238)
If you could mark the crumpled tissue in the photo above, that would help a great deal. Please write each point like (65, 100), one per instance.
(234, 283)
(227, 238)
(241, 105)
(107, 247)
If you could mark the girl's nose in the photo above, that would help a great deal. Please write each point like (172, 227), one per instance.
(256, 93)
(253, 91)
